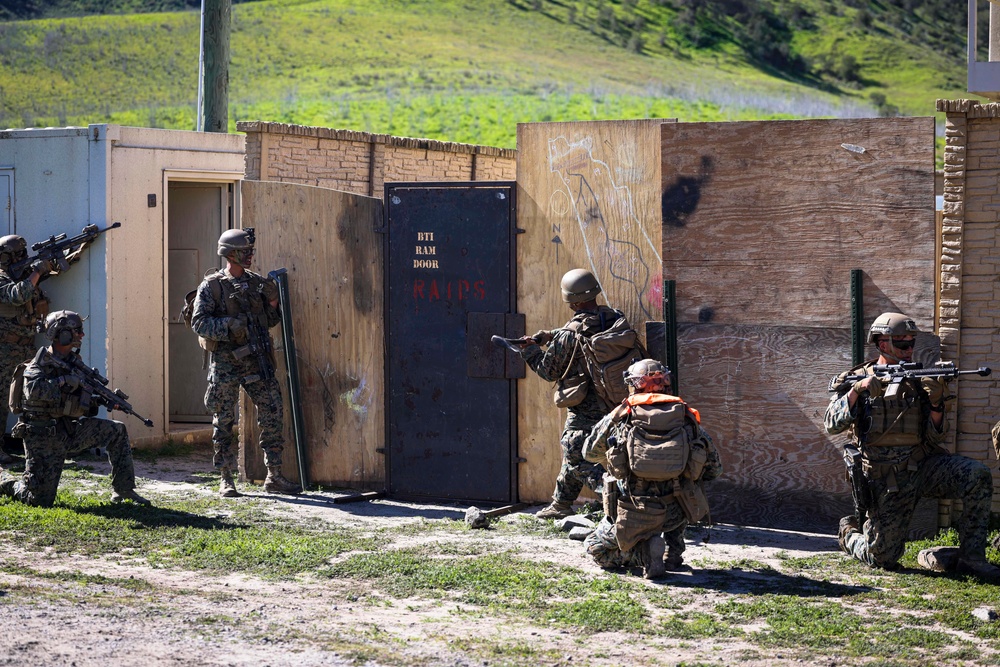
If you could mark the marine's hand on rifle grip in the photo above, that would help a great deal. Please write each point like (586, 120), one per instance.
(935, 388)
(871, 384)
(238, 329)
(542, 337)
(43, 267)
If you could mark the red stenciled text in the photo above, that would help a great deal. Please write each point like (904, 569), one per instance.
(461, 290)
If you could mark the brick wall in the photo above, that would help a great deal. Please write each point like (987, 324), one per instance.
(969, 316)
(361, 162)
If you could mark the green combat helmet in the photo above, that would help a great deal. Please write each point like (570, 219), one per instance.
(579, 285)
(13, 248)
(238, 242)
(62, 326)
(892, 324)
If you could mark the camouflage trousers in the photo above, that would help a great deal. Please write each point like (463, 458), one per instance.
(882, 541)
(224, 382)
(46, 449)
(575, 470)
(11, 356)
(602, 546)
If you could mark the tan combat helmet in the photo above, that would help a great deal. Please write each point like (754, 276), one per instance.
(13, 248)
(892, 324)
(235, 239)
(579, 285)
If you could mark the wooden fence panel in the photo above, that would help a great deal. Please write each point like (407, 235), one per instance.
(762, 224)
(588, 197)
(327, 241)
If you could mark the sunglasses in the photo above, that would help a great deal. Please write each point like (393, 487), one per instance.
(903, 344)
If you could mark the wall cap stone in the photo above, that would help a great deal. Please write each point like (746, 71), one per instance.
(259, 126)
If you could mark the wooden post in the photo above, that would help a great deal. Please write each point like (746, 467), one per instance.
(218, 14)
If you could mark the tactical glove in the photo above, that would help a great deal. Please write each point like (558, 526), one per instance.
(935, 388)
(542, 337)
(42, 266)
(270, 290)
(875, 388)
(69, 383)
(238, 330)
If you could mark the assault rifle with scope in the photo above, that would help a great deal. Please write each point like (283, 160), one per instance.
(95, 385)
(59, 251)
(893, 374)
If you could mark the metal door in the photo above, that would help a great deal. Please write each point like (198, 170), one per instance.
(7, 201)
(197, 214)
(451, 428)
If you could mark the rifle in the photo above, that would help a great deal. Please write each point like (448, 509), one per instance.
(258, 339)
(96, 385)
(894, 374)
(58, 250)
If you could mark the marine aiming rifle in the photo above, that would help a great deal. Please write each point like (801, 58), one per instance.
(258, 340)
(60, 251)
(96, 385)
(894, 374)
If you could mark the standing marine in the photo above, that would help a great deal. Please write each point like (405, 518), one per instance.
(56, 420)
(657, 456)
(561, 361)
(898, 429)
(233, 311)
(23, 305)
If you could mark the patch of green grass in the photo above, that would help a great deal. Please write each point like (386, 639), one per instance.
(697, 626)
(504, 584)
(179, 534)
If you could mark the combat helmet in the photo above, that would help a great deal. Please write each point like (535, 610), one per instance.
(62, 326)
(579, 285)
(236, 239)
(13, 248)
(892, 324)
(639, 374)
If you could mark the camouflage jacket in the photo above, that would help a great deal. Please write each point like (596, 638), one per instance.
(250, 295)
(19, 301)
(595, 450)
(840, 417)
(49, 392)
(561, 354)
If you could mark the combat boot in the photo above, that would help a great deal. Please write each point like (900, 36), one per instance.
(978, 567)
(275, 483)
(673, 561)
(653, 566)
(7, 484)
(848, 525)
(227, 487)
(118, 497)
(557, 509)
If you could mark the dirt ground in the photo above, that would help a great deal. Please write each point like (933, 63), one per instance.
(189, 618)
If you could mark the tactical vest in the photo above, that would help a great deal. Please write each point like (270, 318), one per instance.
(27, 313)
(228, 301)
(892, 422)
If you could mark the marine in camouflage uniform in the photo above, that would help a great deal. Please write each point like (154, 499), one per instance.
(563, 358)
(654, 548)
(899, 434)
(225, 303)
(22, 305)
(55, 424)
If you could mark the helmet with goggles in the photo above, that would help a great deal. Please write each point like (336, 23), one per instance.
(645, 373)
(892, 324)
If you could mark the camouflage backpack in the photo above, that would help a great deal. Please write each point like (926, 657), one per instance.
(607, 355)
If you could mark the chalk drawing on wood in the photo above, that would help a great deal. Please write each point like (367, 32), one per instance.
(595, 198)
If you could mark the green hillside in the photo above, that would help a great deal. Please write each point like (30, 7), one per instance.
(470, 71)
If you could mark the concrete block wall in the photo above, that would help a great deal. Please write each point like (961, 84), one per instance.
(969, 317)
(362, 162)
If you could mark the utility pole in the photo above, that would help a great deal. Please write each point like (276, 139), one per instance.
(216, 21)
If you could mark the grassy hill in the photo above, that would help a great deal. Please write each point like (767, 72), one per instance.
(470, 71)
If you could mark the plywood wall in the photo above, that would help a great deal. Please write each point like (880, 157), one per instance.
(328, 243)
(588, 197)
(762, 224)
